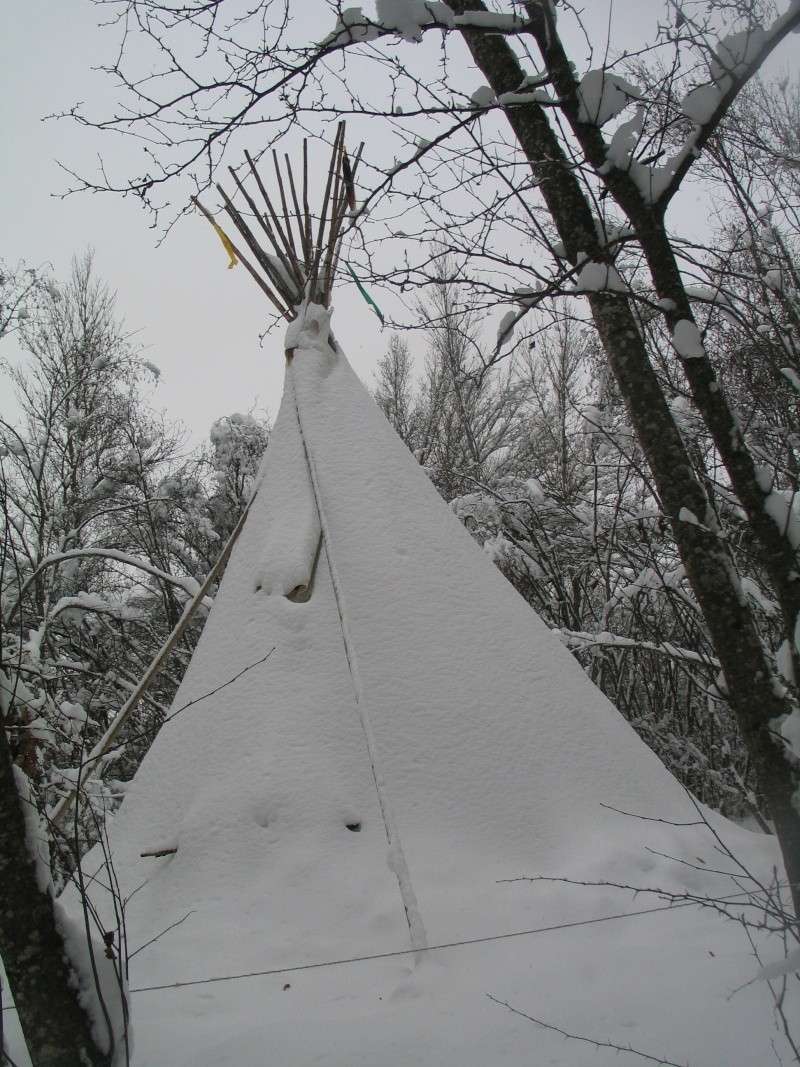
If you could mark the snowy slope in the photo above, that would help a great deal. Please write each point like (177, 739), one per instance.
(415, 698)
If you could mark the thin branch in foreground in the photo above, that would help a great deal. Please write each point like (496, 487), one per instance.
(95, 755)
(159, 936)
(589, 1040)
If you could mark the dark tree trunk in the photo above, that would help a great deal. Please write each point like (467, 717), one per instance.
(56, 1028)
(777, 553)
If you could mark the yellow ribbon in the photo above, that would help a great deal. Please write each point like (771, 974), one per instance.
(226, 244)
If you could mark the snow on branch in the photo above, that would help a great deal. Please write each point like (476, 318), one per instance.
(687, 340)
(737, 57)
(578, 639)
(187, 584)
(410, 18)
(599, 277)
(602, 96)
(85, 602)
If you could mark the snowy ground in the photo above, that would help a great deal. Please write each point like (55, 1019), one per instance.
(662, 983)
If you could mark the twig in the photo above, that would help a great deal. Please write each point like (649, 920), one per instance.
(166, 929)
(588, 1040)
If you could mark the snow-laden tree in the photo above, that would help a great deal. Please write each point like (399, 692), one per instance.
(237, 444)
(583, 163)
(107, 531)
(80, 591)
(45, 501)
(465, 418)
(22, 291)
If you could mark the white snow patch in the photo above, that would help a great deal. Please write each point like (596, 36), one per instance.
(736, 51)
(311, 328)
(790, 729)
(603, 95)
(592, 418)
(790, 964)
(484, 96)
(774, 280)
(110, 985)
(408, 18)
(490, 20)
(351, 27)
(36, 835)
(599, 277)
(783, 506)
(535, 96)
(625, 140)
(687, 340)
(707, 295)
(526, 295)
(291, 537)
(700, 104)
(785, 665)
(75, 607)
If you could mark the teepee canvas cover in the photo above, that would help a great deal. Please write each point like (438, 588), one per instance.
(377, 732)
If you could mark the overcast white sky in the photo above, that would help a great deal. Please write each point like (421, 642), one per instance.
(199, 322)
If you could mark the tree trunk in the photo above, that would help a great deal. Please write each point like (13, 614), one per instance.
(57, 1029)
(777, 554)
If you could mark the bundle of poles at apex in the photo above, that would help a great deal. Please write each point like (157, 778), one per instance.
(304, 257)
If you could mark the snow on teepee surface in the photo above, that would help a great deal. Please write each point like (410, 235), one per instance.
(380, 734)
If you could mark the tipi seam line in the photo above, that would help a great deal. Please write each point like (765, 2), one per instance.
(399, 863)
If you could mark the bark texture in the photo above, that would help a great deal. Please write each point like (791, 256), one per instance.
(56, 1028)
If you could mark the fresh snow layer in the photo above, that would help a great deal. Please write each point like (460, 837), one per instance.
(409, 19)
(484, 96)
(599, 277)
(687, 340)
(602, 96)
(415, 736)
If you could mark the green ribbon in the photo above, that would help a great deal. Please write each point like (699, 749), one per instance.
(365, 294)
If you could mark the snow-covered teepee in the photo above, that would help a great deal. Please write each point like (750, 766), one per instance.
(377, 732)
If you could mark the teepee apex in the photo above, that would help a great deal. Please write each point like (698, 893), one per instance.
(293, 259)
